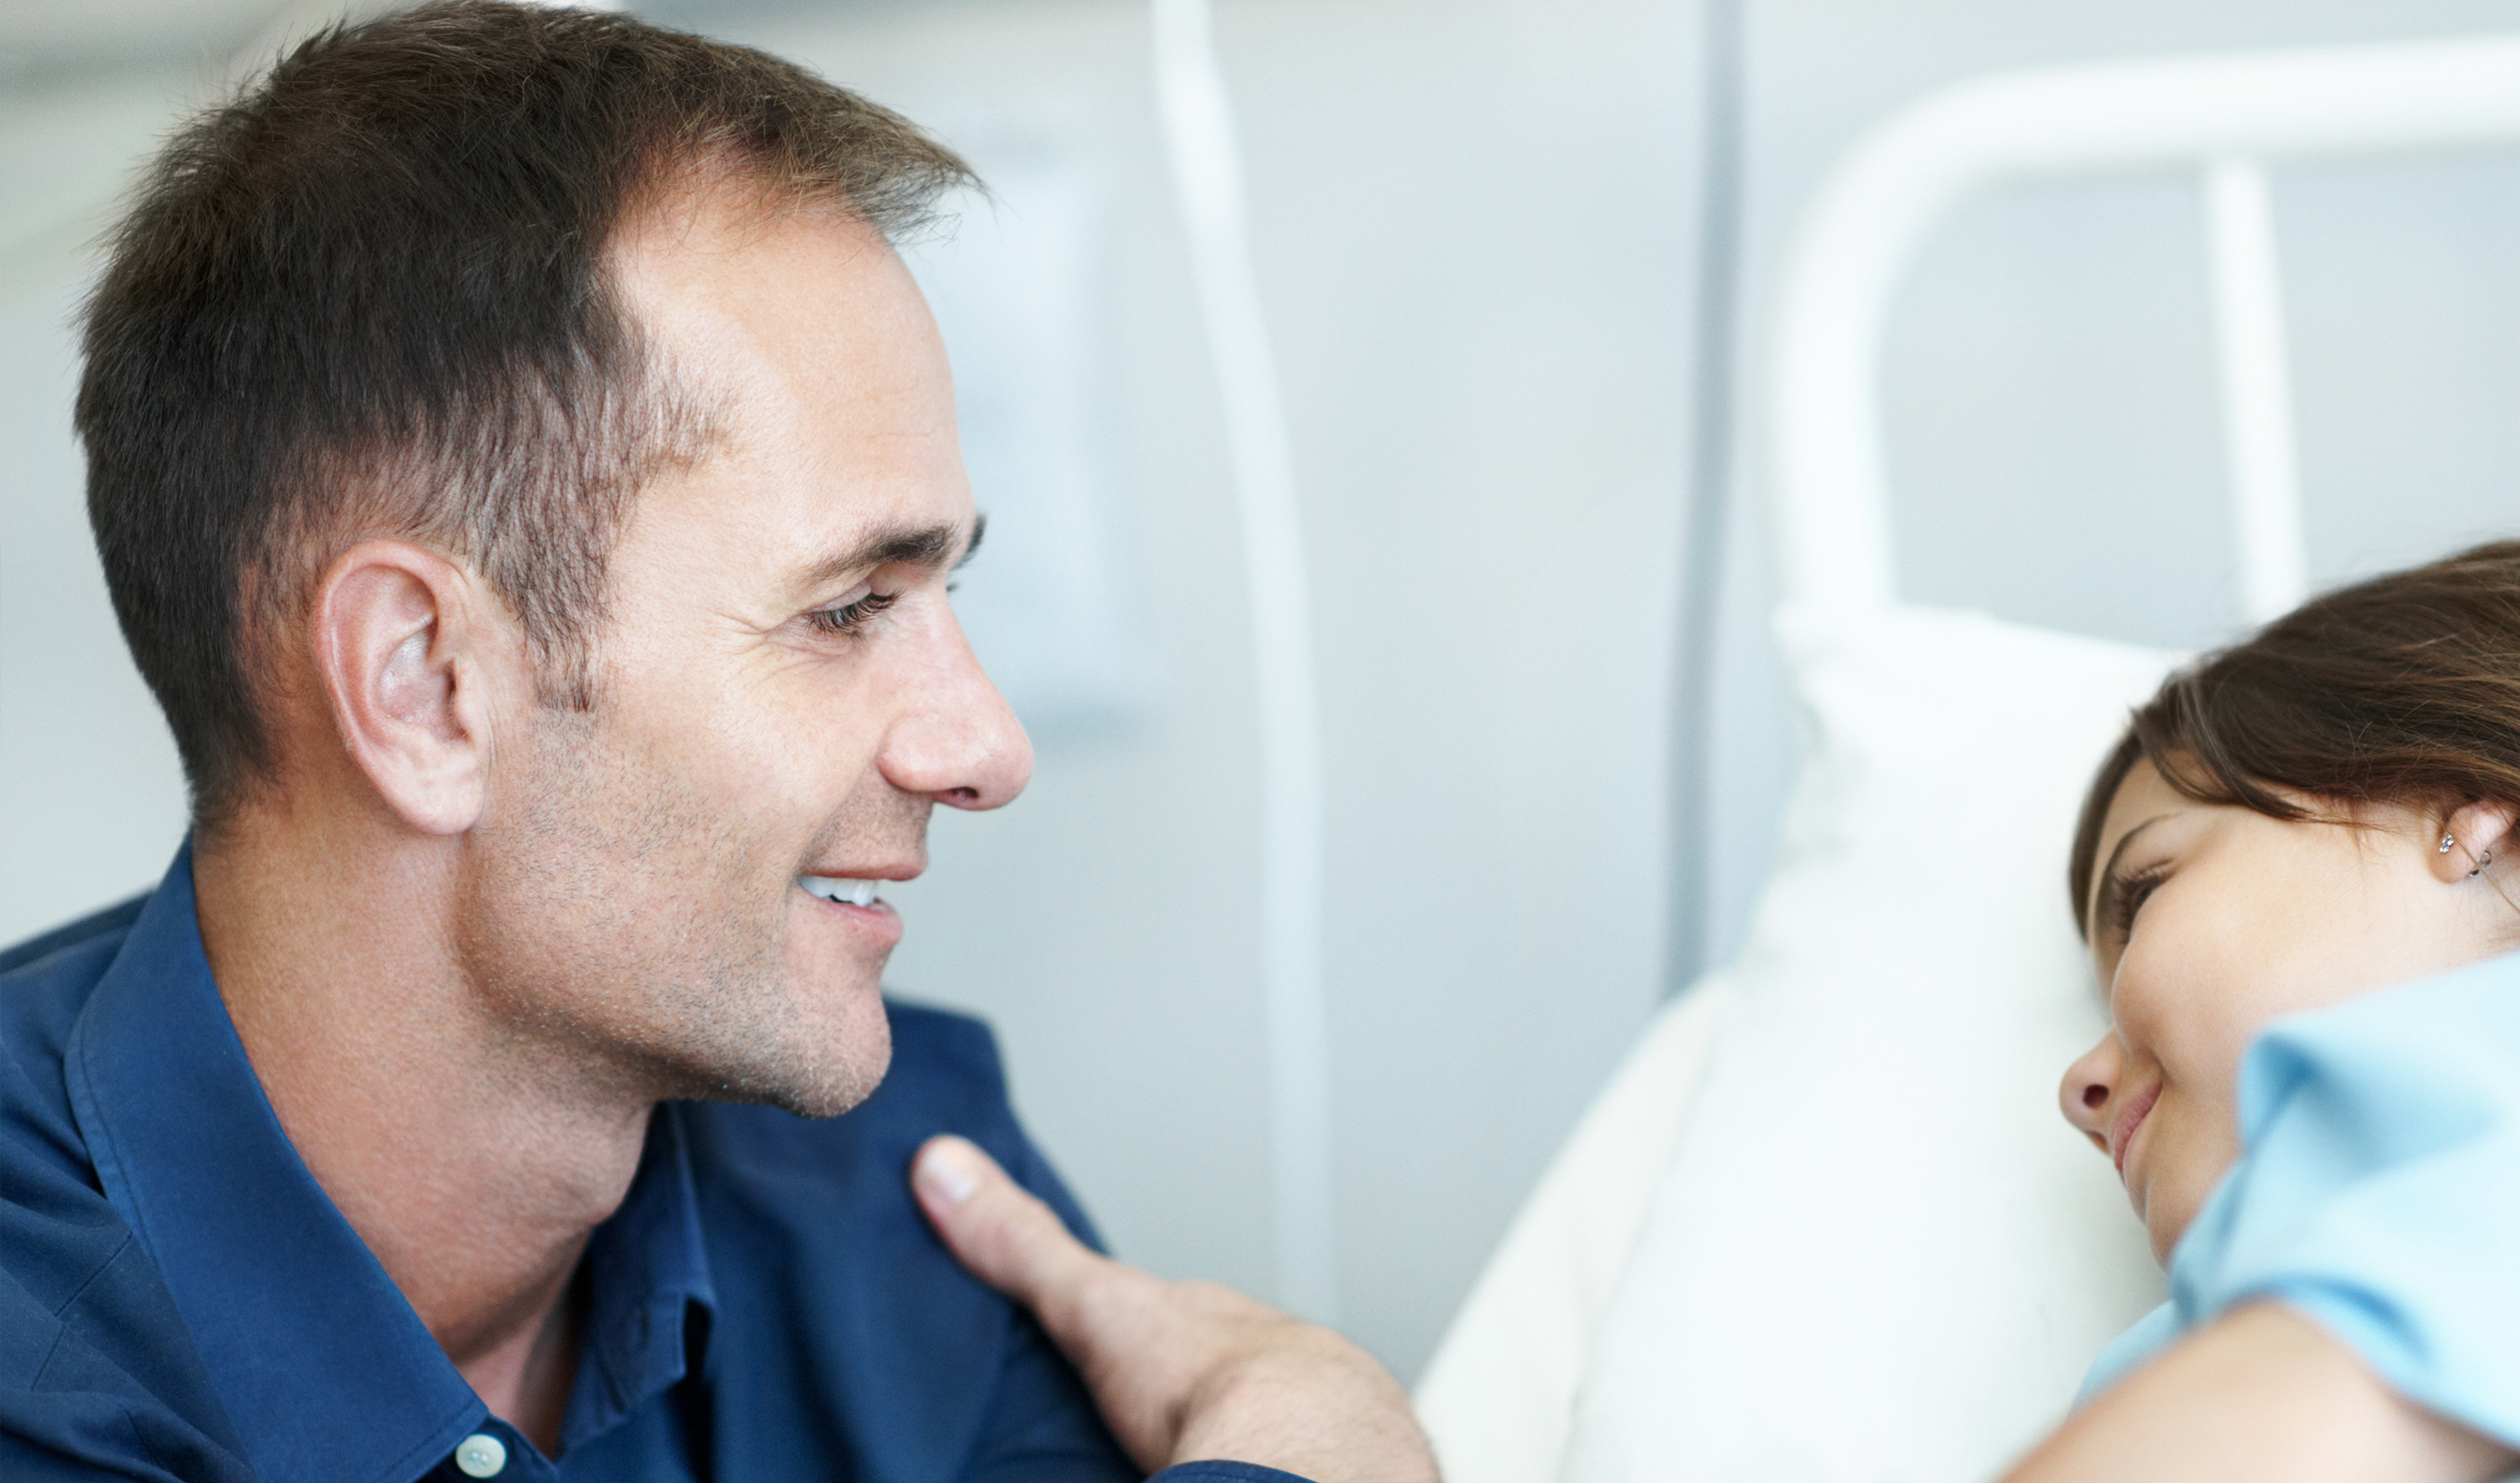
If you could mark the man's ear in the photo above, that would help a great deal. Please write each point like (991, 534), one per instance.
(398, 647)
(2476, 831)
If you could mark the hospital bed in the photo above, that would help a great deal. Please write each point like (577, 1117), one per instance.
(1823, 1224)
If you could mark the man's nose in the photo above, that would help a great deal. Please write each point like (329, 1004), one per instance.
(957, 741)
(2090, 1084)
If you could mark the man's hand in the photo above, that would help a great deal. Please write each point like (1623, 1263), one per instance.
(1183, 1371)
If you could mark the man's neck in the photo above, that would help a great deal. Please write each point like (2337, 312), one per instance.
(471, 1159)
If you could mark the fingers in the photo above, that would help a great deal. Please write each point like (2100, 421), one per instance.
(995, 1227)
(1181, 1371)
(1086, 1302)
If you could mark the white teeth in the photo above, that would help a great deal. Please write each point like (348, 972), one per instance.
(840, 888)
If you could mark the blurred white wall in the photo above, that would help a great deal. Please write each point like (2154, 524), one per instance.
(1474, 229)
(91, 802)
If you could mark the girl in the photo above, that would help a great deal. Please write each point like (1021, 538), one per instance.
(2330, 1173)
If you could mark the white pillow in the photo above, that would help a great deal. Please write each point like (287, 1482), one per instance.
(1497, 1399)
(1879, 1254)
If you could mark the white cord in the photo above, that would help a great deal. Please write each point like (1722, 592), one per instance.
(1199, 131)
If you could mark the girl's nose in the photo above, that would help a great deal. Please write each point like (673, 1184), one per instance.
(2090, 1084)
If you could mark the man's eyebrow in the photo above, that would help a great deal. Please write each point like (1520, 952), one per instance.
(2106, 895)
(935, 547)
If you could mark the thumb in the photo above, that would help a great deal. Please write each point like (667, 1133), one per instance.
(995, 1227)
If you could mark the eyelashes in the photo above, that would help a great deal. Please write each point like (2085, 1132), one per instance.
(2128, 894)
(849, 617)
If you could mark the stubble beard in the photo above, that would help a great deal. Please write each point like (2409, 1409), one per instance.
(618, 926)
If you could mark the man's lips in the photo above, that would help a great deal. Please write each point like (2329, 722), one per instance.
(858, 887)
(853, 890)
(852, 900)
(2131, 1117)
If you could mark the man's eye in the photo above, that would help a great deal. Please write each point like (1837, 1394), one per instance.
(849, 617)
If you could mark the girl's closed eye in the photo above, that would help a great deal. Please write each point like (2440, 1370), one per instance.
(2128, 892)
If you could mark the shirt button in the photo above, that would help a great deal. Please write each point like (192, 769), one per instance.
(480, 1456)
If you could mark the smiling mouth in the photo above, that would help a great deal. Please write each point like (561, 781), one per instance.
(843, 890)
(2129, 1120)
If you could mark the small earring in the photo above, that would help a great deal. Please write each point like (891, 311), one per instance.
(2446, 842)
(2482, 861)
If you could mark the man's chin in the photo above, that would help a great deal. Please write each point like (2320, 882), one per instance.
(818, 1062)
(851, 1079)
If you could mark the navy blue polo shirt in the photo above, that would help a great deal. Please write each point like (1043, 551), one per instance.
(180, 1299)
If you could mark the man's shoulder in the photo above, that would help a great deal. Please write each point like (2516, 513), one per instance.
(44, 981)
(92, 1348)
(945, 1077)
(110, 923)
(942, 1050)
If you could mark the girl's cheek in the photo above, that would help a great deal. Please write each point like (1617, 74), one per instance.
(2135, 1010)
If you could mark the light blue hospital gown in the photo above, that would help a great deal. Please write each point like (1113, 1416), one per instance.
(2379, 1193)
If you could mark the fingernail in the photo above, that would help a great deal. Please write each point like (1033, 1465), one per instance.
(945, 1171)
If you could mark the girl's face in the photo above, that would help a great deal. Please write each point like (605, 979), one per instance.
(2210, 919)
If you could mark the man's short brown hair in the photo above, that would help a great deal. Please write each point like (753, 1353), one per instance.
(369, 297)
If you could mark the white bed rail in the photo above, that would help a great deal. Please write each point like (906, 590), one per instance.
(2224, 117)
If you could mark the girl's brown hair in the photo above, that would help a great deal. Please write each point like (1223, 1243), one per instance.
(2404, 689)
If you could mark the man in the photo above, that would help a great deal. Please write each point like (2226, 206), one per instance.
(527, 477)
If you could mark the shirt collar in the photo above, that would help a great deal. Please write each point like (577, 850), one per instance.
(649, 1294)
(325, 1370)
